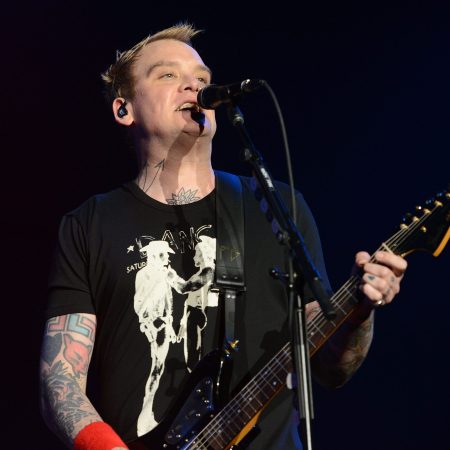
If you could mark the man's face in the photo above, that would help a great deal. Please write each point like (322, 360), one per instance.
(168, 74)
(164, 258)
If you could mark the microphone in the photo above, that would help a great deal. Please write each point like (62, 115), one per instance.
(213, 95)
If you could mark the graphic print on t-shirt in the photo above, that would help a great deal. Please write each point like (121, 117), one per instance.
(153, 304)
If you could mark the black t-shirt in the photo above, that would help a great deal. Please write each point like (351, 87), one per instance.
(144, 269)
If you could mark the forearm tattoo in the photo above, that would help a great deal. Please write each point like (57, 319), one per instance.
(344, 353)
(352, 344)
(70, 405)
(65, 357)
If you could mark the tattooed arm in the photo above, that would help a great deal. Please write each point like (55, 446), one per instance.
(335, 363)
(65, 357)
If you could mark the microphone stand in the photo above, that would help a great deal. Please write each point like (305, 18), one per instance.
(300, 265)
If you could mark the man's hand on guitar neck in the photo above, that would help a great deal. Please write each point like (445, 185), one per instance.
(341, 356)
(381, 277)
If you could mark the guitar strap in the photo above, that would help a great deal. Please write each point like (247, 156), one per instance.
(229, 276)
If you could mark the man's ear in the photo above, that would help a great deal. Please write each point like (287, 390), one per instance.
(122, 112)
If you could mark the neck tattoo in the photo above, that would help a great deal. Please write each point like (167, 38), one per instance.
(159, 168)
(183, 197)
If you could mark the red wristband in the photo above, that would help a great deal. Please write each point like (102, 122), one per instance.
(97, 436)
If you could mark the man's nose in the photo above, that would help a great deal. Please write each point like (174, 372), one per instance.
(191, 84)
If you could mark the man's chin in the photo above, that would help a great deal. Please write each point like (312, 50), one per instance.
(197, 131)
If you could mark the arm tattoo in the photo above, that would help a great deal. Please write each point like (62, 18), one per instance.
(64, 366)
(344, 353)
(64, 396)
(356, 345)
(75, 323)
(183, 197)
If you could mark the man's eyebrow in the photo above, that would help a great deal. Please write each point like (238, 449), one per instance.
(174, 64)
(205, 68)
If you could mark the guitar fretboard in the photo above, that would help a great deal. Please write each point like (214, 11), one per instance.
(259, 391)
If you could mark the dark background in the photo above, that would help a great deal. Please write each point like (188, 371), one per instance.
(365, 94)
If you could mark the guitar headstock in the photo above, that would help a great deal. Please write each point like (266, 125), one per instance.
(428, 229)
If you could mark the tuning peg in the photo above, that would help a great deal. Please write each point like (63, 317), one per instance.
(422, 210)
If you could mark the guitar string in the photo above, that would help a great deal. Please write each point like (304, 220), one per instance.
(216, 427)
(320, 320)
(394, 240)
(214, 424)
(252, 390)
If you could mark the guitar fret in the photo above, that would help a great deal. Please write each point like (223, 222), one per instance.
(262, 389)
(255, 390)
(342, 309)
(269, 384)
(249, 405)
(197, 446)
(216, 436)
(230, 423)
(279, 367)
(239, 410)
(386, 248)
(350, 293)
(317, 328)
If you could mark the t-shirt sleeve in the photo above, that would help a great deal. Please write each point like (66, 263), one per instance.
(68, 289)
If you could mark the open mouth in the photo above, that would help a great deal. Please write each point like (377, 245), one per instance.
(189, 107)
(196, 113)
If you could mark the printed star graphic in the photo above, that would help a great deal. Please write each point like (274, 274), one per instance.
(130, 249)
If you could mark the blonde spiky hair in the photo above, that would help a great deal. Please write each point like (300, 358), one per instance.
(118, 78)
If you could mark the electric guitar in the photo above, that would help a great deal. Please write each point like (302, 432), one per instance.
(199, 424)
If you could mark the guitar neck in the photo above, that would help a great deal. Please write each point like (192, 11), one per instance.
(260, 390)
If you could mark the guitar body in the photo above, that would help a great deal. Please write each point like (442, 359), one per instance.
(196, 405)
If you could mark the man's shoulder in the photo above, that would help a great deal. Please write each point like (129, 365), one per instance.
(283, 188)
(101, 202)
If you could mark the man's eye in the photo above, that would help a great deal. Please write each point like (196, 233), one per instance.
(167, 75)
(203, 80)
